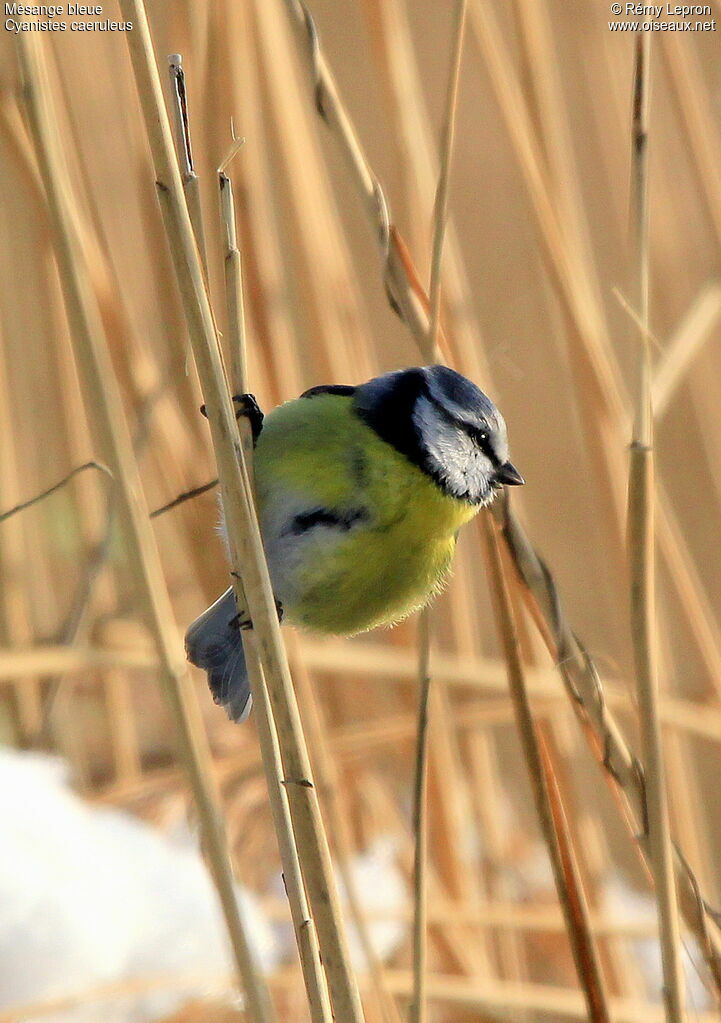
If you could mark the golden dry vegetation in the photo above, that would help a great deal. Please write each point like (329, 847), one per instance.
(540, 304)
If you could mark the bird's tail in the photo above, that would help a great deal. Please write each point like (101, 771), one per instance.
(213, 642)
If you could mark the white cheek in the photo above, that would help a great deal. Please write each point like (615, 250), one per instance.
(440, 439)
(457, 459)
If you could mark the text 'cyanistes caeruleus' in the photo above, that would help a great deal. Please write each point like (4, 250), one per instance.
(361, 492)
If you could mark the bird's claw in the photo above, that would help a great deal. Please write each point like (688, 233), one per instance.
(244, 621)
(245, 405)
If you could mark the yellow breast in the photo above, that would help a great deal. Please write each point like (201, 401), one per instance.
(315, 453)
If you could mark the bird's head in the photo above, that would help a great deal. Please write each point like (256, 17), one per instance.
(445, 425)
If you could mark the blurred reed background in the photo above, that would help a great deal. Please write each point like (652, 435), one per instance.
(537, 267)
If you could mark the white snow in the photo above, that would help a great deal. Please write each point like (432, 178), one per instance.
(91, 896)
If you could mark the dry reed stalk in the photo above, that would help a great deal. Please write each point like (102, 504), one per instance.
(460, 954)
(503, 998)
(89, 500)
(15, 616)
(621, 969)
(484, 1000)
(267, 296)
(23, 505)
(140, 379)
(124, 737)
(183, 146)
(553, 132)
(698, 122)
(303, 925)
(440, 211)
(336, 342)
(58, 659)
(417, 1012)
(516, 916)
(538, 586)
(233, 273)
(417, 150)
(246, 551)
(338, 812)
(682, 780)
(641, 545)
(692, 334)
(488, 676)
(545, 794)
(488, 795)
(448, 801)
(597, 357)
(105, 408)
(405, 291)
(387, 22)
(588, 351)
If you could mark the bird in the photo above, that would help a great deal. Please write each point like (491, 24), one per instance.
(361, 492)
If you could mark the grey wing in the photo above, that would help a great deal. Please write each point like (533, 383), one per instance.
(213, 642)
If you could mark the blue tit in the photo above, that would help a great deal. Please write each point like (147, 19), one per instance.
(361, 492)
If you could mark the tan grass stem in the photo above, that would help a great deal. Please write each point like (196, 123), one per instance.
(545, 795)
(53, 489)
(184, 148)
(234, 302)
(696, 328)
(339, 814)
(598, 357)
(539, 590)
(440, 210)
(641, 550)
(105, 411)
(417, 1009)
(480, 998)
(246, 550)
(303, 925)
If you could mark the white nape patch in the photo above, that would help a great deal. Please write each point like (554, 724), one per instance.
(453, 455)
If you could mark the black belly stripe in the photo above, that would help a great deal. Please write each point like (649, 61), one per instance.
(334, 518)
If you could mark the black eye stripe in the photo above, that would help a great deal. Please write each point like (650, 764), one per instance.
(478, 436)
(482, 439)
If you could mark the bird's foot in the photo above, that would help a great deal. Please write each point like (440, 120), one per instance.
(245, 405)
(244, 621)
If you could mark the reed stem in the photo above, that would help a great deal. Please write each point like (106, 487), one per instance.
(105, 412)
(641, 551)
(245, 545)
